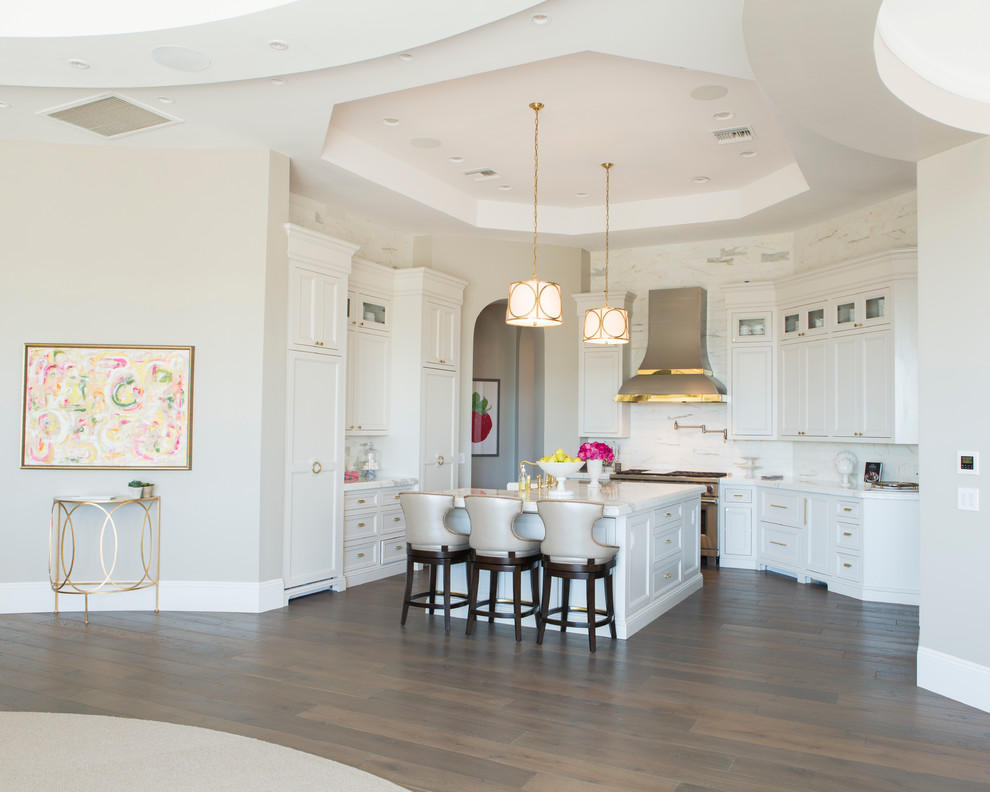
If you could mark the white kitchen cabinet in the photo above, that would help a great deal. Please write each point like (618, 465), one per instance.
(804, 321)
(443, 328)
(751, 327)
(439, 437)
(863, 387)
(751, 388)
(369, 363)
(803, 389)
(369, 312)
(601, 371)
(737, 526)
(818, 546)
(860, 311)
(374, 533)
(639, 569)
(315, 303)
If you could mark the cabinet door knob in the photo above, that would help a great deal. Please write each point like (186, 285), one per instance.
(439, 461)
(317, 468)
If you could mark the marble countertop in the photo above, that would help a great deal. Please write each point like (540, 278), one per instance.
(381, 483)
(618, 498)
(858, 489)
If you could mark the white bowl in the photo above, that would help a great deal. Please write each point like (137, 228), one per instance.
(561, 470)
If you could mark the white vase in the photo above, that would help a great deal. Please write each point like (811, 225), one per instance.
(594, 472)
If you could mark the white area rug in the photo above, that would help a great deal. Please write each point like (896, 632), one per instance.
(93, 753)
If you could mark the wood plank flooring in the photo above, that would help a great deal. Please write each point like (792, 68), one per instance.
(754, 684)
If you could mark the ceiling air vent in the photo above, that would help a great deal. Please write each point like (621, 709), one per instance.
(481, 174)
(109, 116)
(733, 135)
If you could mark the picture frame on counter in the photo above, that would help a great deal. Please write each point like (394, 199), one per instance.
(872, 472)
(485, 423)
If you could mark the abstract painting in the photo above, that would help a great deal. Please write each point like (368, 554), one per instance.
(104, 407)
(484, 418)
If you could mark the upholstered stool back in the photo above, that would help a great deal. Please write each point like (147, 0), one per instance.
(569, 538)
(491, 518)
(425, 527)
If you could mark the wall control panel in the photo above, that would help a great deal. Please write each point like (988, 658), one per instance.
(968, 462)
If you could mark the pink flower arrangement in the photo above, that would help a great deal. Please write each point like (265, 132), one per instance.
(596, 451)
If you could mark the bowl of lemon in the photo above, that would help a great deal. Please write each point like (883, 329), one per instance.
(560, 465)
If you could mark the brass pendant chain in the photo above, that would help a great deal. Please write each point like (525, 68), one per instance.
(607, 166)
(537, 106)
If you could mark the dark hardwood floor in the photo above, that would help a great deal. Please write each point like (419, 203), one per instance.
(755, 684)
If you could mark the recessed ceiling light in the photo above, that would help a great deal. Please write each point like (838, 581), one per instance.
(425, 143)
(75, 63)
(278, 44)
(748, 154)
(701, 179)
(390, 121)
(165, 99)
(540, 19)
(406, 56)
(580, 195)
(455, 160)
(280, 81)
(181, 58)
(707, 93)
(505, 186)
(725, 115)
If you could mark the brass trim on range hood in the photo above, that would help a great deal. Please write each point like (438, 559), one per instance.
(675, 367)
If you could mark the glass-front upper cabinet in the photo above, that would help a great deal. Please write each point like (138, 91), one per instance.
(754, 326)
(857, 311)
(369, 312)
(803, 321)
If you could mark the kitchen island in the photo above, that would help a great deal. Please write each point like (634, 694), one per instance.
(656, 527)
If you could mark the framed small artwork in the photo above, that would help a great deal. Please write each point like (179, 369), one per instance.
(107, 407)
(871, 473)
(484, 417)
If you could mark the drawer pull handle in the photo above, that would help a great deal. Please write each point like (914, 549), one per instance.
(777, 506)
(396, 519)
(395, 497)
(737, 495)
(669, 514)
(846, 508)
(667, 575)
(782, 544)
(360, 501)
(360, 555)
(847, 565)
(667, 541)
(399, 547)
(360, 525)
(846, 533)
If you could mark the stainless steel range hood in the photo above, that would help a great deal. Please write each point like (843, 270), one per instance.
(675, 367)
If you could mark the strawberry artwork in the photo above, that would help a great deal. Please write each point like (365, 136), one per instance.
(481, 421)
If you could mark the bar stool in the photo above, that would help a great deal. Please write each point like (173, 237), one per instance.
(496, 547)
(430, 542)
(571, 552)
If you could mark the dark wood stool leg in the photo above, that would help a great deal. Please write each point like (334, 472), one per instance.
(492, 593)
(534, 584)
(472, 598)
(565, 601)
(610, 604)
(409, 584)
(433, 587)
(446, 594)
(591, 612)
(544, 606)
(517, 600)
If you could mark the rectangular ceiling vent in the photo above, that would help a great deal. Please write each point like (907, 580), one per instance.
(734, 135)
(481, 174)
(109, 116)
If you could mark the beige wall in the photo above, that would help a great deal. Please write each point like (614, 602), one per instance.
(133, 246)
(954, 281)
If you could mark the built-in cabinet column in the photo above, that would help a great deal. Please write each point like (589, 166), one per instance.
(312, 551)
(369, 349)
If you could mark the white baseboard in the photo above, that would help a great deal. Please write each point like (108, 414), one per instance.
(954, 678)
(219, 597)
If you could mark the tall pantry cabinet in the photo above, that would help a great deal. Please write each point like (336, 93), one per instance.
(312, 551)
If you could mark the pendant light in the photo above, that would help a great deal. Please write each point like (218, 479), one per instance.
(534, 303)
(606, 325)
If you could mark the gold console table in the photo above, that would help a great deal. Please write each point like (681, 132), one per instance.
(98, 515)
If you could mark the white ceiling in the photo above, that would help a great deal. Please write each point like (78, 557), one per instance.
(616, 79)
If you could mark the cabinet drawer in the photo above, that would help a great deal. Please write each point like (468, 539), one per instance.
(666, 543)
(786, 508)
(847, 536)
(849, 567)
(362, 499)
(393, 521)
(732, 495)
(390, 497)
(361, 556)
(666, 576)
(777, 543)
(667, 515)
(360, 526)
(849, 509)
(393, 550)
